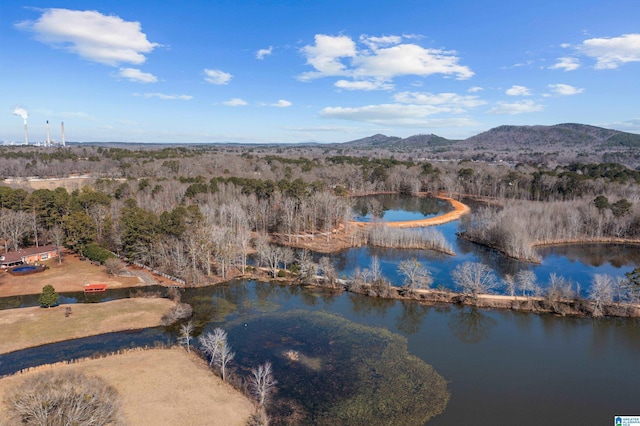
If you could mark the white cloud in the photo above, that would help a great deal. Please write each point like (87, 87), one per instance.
(260, 54)
(610, 53)
(567, 64)
(396, 115)
(363, 85)
(282, 104)
(513, 108)
(134, 74)
(409, 59)
(217, 77)
(91, 35)
(325, 56)
(475, 89)
(632, 125)
(165, 97)
(235, 102)
(518, 91)
(375, 43)
(564, 89)
(377, 60)
(453, 101)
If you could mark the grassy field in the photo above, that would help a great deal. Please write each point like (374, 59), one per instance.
(71, 275)
(159, 387)
(26, 327)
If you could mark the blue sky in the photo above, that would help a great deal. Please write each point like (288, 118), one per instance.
(325, 71)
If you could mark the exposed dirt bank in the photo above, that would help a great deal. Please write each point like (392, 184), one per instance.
(459, 209)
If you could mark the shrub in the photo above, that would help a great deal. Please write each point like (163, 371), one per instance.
(63, 398)
(96, 253)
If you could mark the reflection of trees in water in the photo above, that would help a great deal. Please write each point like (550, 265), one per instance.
(492, 258)
(411, 317)
(596, 255)
(368, 305)
(365, 375)
(377, 205)
(471, 325)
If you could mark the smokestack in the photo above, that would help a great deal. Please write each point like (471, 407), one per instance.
(48, 135)
(24, 114)
(62, 141)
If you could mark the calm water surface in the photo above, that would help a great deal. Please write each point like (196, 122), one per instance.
(396, 207)
(503, 368)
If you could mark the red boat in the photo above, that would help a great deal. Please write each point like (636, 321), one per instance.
(95, 288)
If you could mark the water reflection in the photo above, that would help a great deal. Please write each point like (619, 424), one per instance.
(491, 359)
(412, 317)
(396, 207)
(470, 324)
(335, 371)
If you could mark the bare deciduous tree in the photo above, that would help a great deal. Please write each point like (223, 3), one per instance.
(16, 225)
(328, 271)
(177, 312)
(510, 284)
(186, 334)
(262, 383)
(526, 283)
(416, 276)
(217, 348)
(474, 278)
(113, 266)
(601, 293)
(57, 234)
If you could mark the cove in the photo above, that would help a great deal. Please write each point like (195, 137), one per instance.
(397, 207)
(577, 263)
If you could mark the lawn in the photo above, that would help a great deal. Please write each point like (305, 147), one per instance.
(159, 387)
(26, 327)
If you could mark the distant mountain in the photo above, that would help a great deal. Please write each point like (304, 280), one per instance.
(383, 141)
(557, 136)
(562, 137)
(377, 140)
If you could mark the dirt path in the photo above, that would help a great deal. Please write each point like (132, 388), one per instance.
(160, 387)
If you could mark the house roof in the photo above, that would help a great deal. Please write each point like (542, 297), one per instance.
(15, 256)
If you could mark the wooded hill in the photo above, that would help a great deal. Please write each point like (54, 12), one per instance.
(561, 142)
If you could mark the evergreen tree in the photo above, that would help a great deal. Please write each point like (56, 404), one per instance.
(48, 297)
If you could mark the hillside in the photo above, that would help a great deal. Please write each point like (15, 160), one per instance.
(559, 135)
(561, 142)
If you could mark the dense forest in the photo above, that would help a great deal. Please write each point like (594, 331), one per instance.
(196, 212)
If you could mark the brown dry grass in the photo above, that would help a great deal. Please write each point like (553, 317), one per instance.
(160, 387)
(71, 275)
(26, 327)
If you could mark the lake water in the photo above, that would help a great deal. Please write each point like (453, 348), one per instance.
(577, 263)
(395, 208)
(502, 367)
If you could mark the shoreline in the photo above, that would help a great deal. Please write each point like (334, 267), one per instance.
(459, 209)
